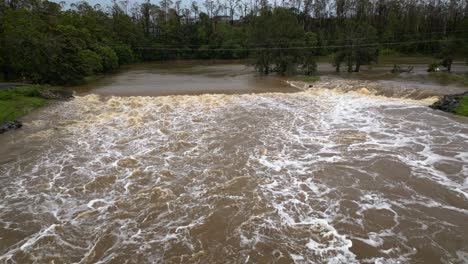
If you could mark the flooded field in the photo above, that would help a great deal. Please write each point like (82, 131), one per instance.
(213, 164)
(186, 78)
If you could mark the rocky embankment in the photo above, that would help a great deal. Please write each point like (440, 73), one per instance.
(59, 94)
(449, 103)
(10, 125)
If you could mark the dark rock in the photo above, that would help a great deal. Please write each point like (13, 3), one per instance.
(10, 125)
(56, 94)
(449, 103)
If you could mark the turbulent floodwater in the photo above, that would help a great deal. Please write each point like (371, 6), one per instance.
(335, 173)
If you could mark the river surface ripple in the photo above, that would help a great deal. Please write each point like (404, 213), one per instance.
(335, 173)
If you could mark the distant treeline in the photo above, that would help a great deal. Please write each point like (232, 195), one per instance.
(43, 42)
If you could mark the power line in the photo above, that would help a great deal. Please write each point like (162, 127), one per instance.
(316, 41)
(301, 48)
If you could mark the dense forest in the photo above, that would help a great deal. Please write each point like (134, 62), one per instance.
(48, 42)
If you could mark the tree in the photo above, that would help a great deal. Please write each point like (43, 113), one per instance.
(281, 50)
(124, 53)
(41, 42)
(448, 50)
(91, 62)
(23, 45)
(359, 47)
(309, 64)
(109, 59)
(68, 63)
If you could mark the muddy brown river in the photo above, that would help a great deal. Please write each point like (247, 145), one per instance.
(209, 163)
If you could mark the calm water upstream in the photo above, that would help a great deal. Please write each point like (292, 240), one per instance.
(189, 163)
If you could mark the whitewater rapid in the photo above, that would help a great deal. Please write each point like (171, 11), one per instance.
(336, 173)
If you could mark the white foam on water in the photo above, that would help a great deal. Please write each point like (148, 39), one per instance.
(283, 177)
(462, 256)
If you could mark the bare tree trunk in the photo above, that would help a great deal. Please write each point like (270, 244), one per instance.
(358, 66)
(307, 4)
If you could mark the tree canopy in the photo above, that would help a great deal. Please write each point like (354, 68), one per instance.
(45, 42)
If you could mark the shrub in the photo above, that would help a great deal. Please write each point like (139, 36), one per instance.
(124, 54)
(109, 59)
(91, 62)
(433, 67)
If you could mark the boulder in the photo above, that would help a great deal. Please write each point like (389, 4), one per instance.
(10, 125)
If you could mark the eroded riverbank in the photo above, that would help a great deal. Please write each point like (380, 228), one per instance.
(340, 172)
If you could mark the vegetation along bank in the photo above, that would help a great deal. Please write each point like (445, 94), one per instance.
(18, 101)
(47, 42)
(454, 103)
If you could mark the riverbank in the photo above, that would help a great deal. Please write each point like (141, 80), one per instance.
(18, 101)
(463, 108)
(454, 103)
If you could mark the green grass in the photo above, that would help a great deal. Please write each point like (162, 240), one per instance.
(309, 78)
(17, 102)
(463, 108)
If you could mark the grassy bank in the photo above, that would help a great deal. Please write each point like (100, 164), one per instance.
(463, 108)
(17, 102)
